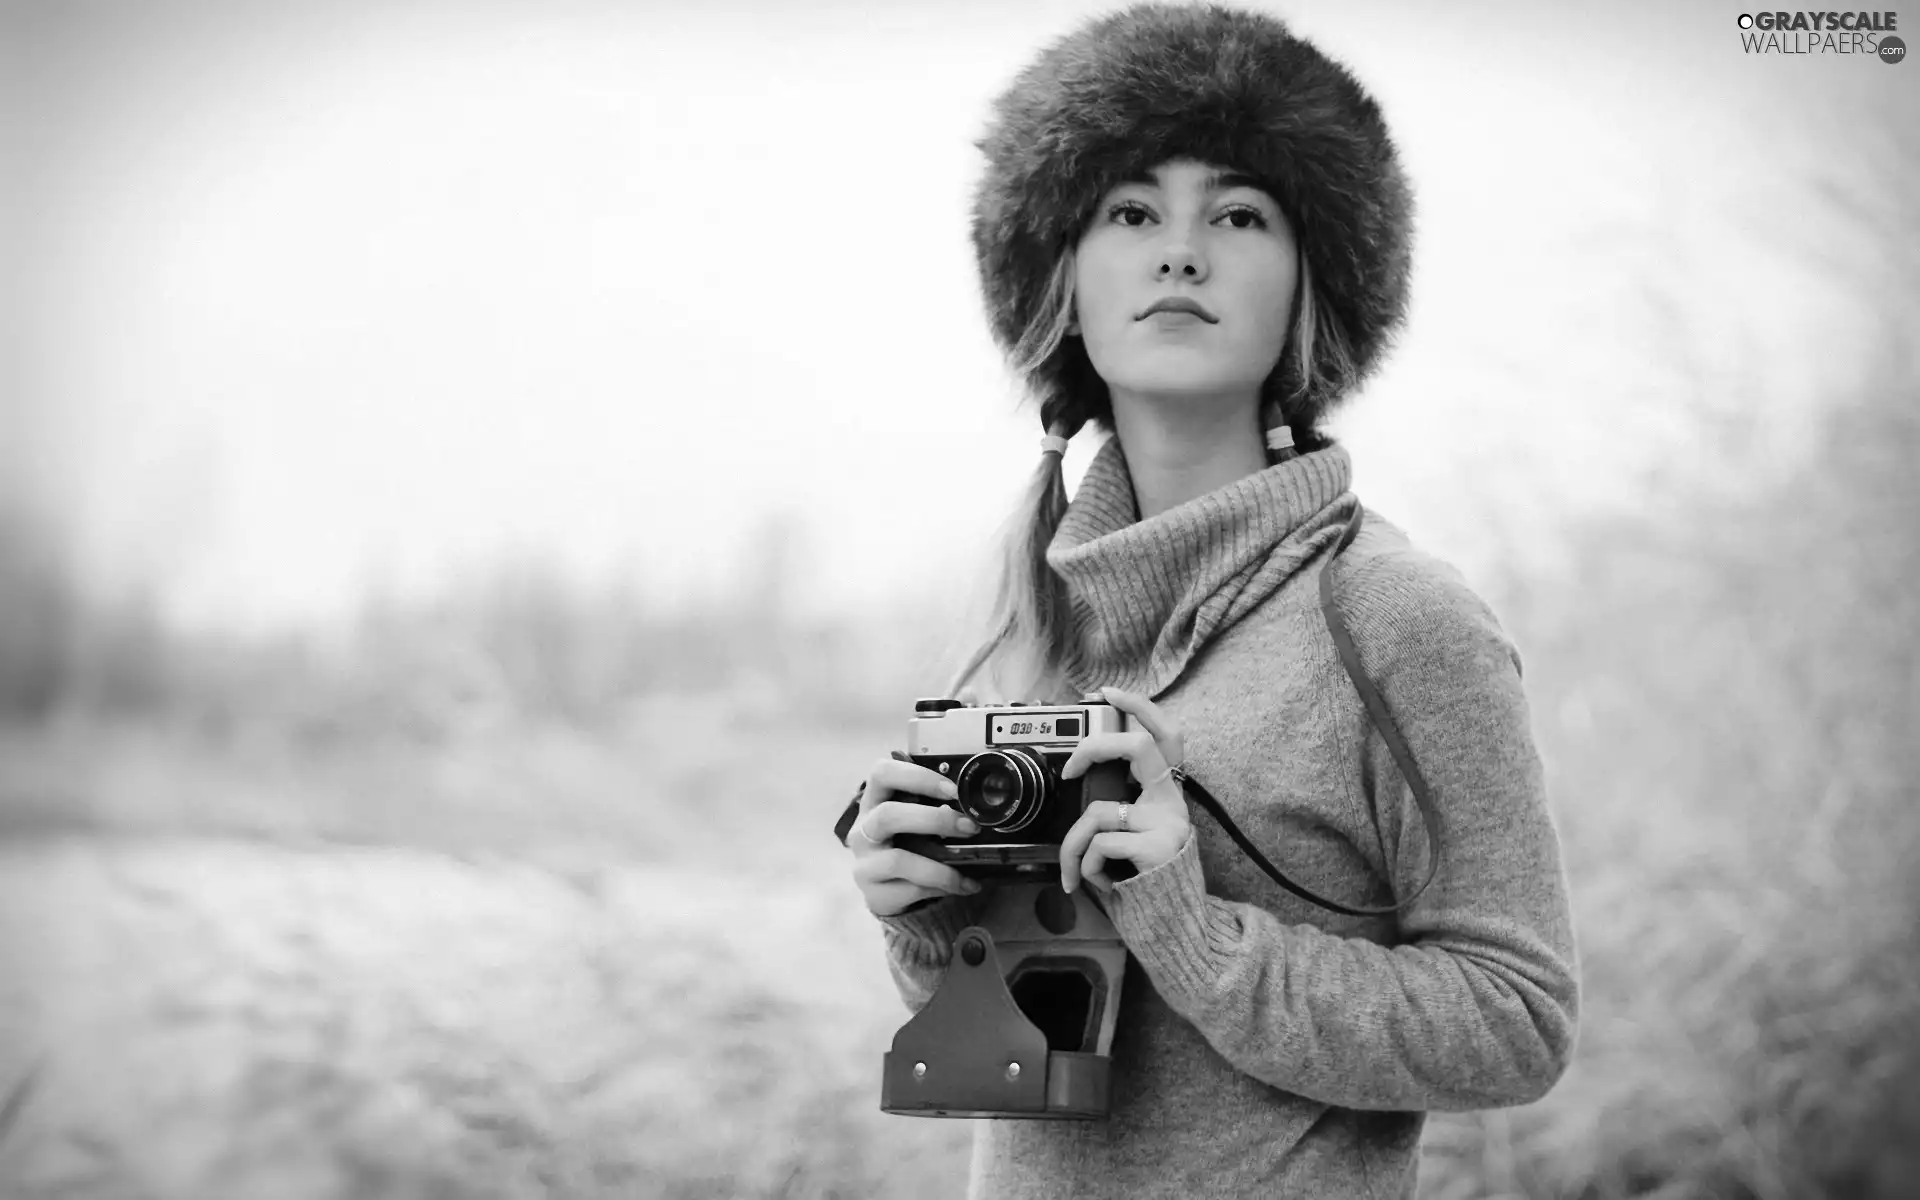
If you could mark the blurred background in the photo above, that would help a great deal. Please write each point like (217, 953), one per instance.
(479, 483)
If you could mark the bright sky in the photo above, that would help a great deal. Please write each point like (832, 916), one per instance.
(321, 297)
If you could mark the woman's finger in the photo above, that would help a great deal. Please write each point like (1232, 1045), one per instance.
(892, 899)
(1103, 849)
(891, 777)
(1165, 733)
(910, 816)
(1100, 815)
(908, 867)
(1132, 745)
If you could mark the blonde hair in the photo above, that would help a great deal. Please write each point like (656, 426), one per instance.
(1031, 636)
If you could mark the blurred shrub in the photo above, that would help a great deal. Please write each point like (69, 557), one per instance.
(1728, 697)
(517, 644)
(36, 617)
(61, 647)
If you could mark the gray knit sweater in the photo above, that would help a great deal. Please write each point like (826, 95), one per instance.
(1267, 1047)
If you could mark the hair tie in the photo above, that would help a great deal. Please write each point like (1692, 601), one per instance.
(1280, 437)
(1053, 444)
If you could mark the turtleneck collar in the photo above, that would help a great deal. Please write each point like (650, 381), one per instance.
(1148, 595)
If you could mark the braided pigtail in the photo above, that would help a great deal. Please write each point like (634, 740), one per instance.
(1316, 369)
(1029, 621)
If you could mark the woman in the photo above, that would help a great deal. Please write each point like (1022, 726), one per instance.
(1207, 158)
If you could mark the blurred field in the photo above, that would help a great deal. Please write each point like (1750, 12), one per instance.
(527, 965)
(532, 895)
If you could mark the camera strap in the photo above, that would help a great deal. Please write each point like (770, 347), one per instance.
(1382, 720)
(1376, 710)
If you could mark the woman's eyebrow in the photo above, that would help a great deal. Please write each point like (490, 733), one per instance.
(1218, 181)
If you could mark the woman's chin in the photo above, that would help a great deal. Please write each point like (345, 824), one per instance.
(1177, 383)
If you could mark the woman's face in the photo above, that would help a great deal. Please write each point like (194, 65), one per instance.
(1192, 231)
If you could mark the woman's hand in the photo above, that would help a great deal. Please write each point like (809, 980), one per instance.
(1156, 824)
(893, 880)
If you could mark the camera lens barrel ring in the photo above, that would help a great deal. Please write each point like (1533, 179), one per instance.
(1013, 768)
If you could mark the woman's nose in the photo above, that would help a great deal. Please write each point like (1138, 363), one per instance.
(1181, 260)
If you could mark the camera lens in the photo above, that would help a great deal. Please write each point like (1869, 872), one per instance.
(996, 789)
(1004, 789)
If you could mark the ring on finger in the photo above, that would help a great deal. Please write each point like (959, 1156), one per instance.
(1123, 816)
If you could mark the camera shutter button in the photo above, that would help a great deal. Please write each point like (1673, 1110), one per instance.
(973, 951)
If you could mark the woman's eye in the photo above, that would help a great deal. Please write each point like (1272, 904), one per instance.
(1129, 209)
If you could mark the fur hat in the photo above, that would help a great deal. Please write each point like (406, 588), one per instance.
(1132, 89)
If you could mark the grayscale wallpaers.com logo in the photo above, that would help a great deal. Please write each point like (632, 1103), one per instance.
(1823, 33)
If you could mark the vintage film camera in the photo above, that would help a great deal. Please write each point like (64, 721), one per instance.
(1022, 1023)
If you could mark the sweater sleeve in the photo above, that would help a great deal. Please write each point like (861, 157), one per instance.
(919, 945)
(1478, 1005)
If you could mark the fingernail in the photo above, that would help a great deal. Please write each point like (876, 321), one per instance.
(972, 886)
(967, 826)
(949, 788)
